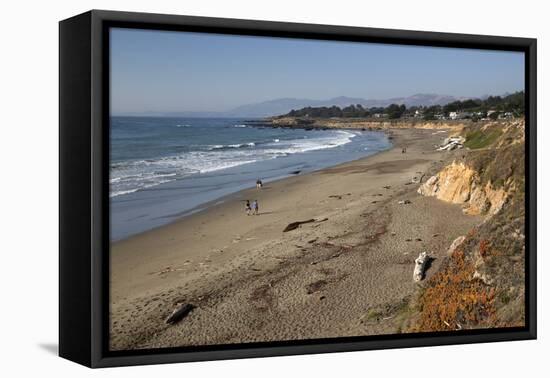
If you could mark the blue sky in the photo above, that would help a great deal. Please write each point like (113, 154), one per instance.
(159, 71)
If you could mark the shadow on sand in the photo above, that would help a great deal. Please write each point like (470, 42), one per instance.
(266, 213)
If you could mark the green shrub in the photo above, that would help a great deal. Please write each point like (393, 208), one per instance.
(482, 139)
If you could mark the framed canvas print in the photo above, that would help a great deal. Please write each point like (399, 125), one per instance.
(234, 188)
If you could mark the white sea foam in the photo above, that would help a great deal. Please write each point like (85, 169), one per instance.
(227, 146)
(117, 193)
(131, 176)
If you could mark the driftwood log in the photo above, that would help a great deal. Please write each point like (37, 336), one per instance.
(180, 313)
(295, 225)
(452, 143)
(420, 266)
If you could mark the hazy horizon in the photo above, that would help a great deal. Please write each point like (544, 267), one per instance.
(168, 72)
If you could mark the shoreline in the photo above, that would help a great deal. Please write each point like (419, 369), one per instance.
(124, 233)
(251, 282)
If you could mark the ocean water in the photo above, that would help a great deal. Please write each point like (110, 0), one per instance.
(164, 168)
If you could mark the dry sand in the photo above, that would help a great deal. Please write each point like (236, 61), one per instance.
(348, 275)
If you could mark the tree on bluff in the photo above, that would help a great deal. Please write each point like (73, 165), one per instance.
(395, 111)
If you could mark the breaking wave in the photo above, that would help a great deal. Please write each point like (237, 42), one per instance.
(133, 175)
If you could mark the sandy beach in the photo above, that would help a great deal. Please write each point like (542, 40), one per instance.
(347, 273)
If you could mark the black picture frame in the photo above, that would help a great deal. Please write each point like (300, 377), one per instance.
(84, 188)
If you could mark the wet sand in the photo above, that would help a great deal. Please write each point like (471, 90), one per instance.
(348, 273)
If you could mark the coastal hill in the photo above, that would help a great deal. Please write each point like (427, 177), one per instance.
(284, 105)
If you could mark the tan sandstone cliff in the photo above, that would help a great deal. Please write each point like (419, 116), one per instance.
(458, 183)
(359, 123)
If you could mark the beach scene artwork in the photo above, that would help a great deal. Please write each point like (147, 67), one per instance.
(270, 189)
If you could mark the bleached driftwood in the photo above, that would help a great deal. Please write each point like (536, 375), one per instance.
(420, 266)
(450, 146)
(459, 139)
(454, 245)
(452, 143)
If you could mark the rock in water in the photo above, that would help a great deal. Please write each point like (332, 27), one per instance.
(180, 313)
(419, 266)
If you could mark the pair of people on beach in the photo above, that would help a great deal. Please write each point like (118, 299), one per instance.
(252, 208)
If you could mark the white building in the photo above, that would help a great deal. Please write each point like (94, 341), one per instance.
(460, 115)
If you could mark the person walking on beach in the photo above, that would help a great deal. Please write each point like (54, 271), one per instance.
(247, 207)
(259, 184)
(255, 207)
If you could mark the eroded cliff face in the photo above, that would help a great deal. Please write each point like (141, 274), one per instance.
(481, 282)
(358, 123)
(459, 183)
(490, 170)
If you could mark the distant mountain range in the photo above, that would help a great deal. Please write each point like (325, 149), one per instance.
(284, 105)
